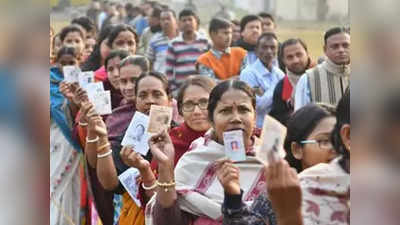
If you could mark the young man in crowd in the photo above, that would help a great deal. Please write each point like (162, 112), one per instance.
(268, 22)
(235, 31)
(222, 61)
(184, 50)
(263, 75)
(158, 45)
(153, 28)
(328, 81)
(250, 30)
(293, 54)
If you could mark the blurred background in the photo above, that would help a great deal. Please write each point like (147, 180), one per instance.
(307, 19)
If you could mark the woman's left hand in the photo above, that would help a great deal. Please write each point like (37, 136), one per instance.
(162, 148)
(284, 191)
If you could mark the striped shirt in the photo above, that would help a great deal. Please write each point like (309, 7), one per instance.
(157, 52)
(182, 57)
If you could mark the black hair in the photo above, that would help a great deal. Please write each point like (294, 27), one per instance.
(121, 28)
(342, 118)
(161, 77)
(204, 82)
(223, 87)
(301, 124)
(169, 10)
(156, 12)
(236, 22)
(189, 12)
(247, 19)
(71, 28)
(122, 54)
(267, 15)
(66, 50)
(93, 62)
(218, 23)
(85, 22)
(136, 60)
(289, 42)
(268, 36)
(333, 31)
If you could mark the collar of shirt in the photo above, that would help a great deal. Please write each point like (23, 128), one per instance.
(218, 54)
(197, 34)
(259, 67)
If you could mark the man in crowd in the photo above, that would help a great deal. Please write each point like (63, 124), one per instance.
(222, 61)
(250, 30)
(153, 28)
(184, 50)
(268, 22)
(235, 31)
(263, 75)
(328, 81)
(293, 54)
(158, 45)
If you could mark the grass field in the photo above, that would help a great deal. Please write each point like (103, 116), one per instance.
(311, 33)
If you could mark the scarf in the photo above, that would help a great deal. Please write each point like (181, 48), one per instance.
(57, 106)
(326, 194)
(289, 83)
(328, 82)
(199, 191)
(100, 74)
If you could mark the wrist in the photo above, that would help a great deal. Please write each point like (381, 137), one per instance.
(232, 189)
(295, 218)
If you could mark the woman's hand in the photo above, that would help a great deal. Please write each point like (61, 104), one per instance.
(162, 148)
(228, 176)
(284, 191)
(133, 159)
(65, 89)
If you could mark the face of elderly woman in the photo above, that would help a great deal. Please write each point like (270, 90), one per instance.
(234, 111)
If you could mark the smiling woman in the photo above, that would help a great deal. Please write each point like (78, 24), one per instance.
(192, 189)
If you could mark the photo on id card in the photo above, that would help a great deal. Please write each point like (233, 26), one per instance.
(136, 135)
(71, 74)
(102, 102)
(86, 78)
(160, 118)
(234, 145)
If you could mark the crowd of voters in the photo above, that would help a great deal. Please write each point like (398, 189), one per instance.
(227, 78)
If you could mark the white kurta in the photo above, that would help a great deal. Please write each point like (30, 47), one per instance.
(64, 179)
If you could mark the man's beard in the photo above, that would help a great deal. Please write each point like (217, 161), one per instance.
(155, 29)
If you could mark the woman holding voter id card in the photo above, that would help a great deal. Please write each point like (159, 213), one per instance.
(318, 195)
(192, 194)
(113, 160)
(65, 151)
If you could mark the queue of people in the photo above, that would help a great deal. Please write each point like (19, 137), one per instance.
(229, 80)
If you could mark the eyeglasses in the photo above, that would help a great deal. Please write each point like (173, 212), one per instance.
(323, 144)
(190, 105)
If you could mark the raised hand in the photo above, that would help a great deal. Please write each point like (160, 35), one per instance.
(284, 191)
(162, 148)
(133, 159)
(65, 89)
(228, 176)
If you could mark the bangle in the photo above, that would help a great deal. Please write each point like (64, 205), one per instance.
(83, 124)
(99, 149)
(149, 188)
(92, 140)
(166, 185)
(104, 155)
